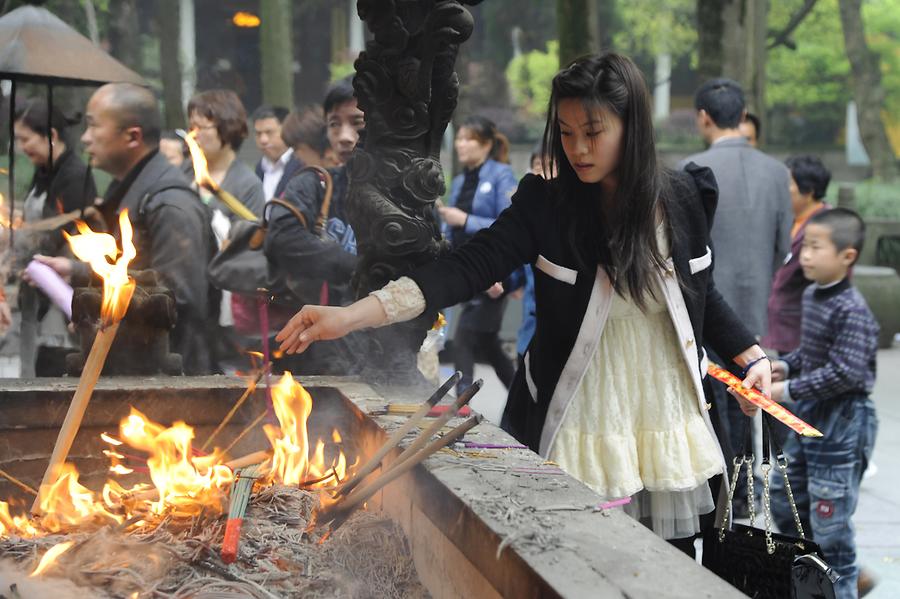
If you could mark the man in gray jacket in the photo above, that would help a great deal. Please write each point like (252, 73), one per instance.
(751, 232)
(172, 231)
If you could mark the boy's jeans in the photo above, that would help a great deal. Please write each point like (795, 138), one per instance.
(825, 474)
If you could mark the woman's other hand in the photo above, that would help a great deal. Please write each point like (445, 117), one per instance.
(453, 216)
(322, 323)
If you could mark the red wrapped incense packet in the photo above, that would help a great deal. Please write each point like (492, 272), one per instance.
(231, 540)
(780, 413)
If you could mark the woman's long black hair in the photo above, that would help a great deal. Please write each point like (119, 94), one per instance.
(617, 232)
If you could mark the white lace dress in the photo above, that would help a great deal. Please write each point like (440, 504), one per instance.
(634, 426)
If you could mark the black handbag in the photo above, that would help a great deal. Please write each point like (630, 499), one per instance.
(240, 266)
(758, 562)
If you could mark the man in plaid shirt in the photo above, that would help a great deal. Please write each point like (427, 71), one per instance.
(830, 377)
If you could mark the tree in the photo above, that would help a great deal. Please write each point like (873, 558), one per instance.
(170, 72)
(125, 33)
(573, 25)
(868, 91)
(276, 53)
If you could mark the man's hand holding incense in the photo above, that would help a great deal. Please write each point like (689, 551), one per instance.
(62, 266)
(323, 323)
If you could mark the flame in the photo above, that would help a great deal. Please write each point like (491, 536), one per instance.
(201, 170)
(67, 503)
(183, 483)
(98, 249)
(183, 479)
(291, 463)
(50, 557)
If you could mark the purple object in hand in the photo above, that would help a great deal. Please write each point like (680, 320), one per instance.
(47, 280)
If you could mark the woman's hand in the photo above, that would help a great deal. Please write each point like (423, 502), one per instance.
(759, 376)
(322, 323)
(453, 216)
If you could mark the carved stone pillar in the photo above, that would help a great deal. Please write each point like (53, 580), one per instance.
(407, 88)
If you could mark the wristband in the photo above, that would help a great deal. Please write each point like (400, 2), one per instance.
(753, 363)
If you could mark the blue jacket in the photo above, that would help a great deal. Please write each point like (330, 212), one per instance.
(524, 278)
(496, 184)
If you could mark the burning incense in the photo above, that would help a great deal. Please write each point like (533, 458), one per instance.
(237, 405)
(203, 179)
(777, 410)
(256, 422)
(338, 512)
(98, 249)
(400, 433)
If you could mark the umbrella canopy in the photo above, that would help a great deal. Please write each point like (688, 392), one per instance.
(38, 47)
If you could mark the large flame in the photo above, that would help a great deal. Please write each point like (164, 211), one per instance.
(291, 462)
(182, 481)
(100, 251)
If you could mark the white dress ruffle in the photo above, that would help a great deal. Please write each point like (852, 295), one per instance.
(634, 427)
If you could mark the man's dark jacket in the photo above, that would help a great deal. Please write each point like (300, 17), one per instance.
(300, 260)
(172, 236)
(290, 169)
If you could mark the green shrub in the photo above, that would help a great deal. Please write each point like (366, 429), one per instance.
(874, 199)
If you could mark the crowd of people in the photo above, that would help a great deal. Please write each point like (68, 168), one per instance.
(611, 251)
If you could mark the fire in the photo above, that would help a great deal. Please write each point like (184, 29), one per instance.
(98, 249)
(201, 170)
(67, 503)
(4, 219)
(183, 479)
(291, 463)
(50, 557)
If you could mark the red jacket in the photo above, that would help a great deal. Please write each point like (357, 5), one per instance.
(786, 297)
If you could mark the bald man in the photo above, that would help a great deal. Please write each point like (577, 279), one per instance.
(172, 233)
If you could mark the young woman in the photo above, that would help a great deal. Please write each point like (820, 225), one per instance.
(612, 382)
(477, 197)
(65, 187)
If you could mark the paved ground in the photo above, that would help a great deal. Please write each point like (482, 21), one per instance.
(878, 515)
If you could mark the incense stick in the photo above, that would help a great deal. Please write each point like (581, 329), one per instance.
(86, 383)
(249, 391)
(399, 434)
(17, 482)
(246, 430)
(338, 512)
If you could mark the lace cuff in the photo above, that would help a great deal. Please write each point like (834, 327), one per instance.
(402, 300)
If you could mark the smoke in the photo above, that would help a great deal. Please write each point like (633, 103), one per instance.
(13, 577)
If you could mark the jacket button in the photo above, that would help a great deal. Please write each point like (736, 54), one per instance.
(689, 342)
(708, 407)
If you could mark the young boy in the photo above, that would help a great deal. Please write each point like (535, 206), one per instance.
(829, 377)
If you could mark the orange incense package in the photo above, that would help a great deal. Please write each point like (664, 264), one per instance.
(780, 413)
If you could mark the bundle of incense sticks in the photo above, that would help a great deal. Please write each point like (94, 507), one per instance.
(781, 413)
(241, 488)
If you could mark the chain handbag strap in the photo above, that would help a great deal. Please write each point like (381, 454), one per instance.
(781, 463)
(746, 457)
(769, 442)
